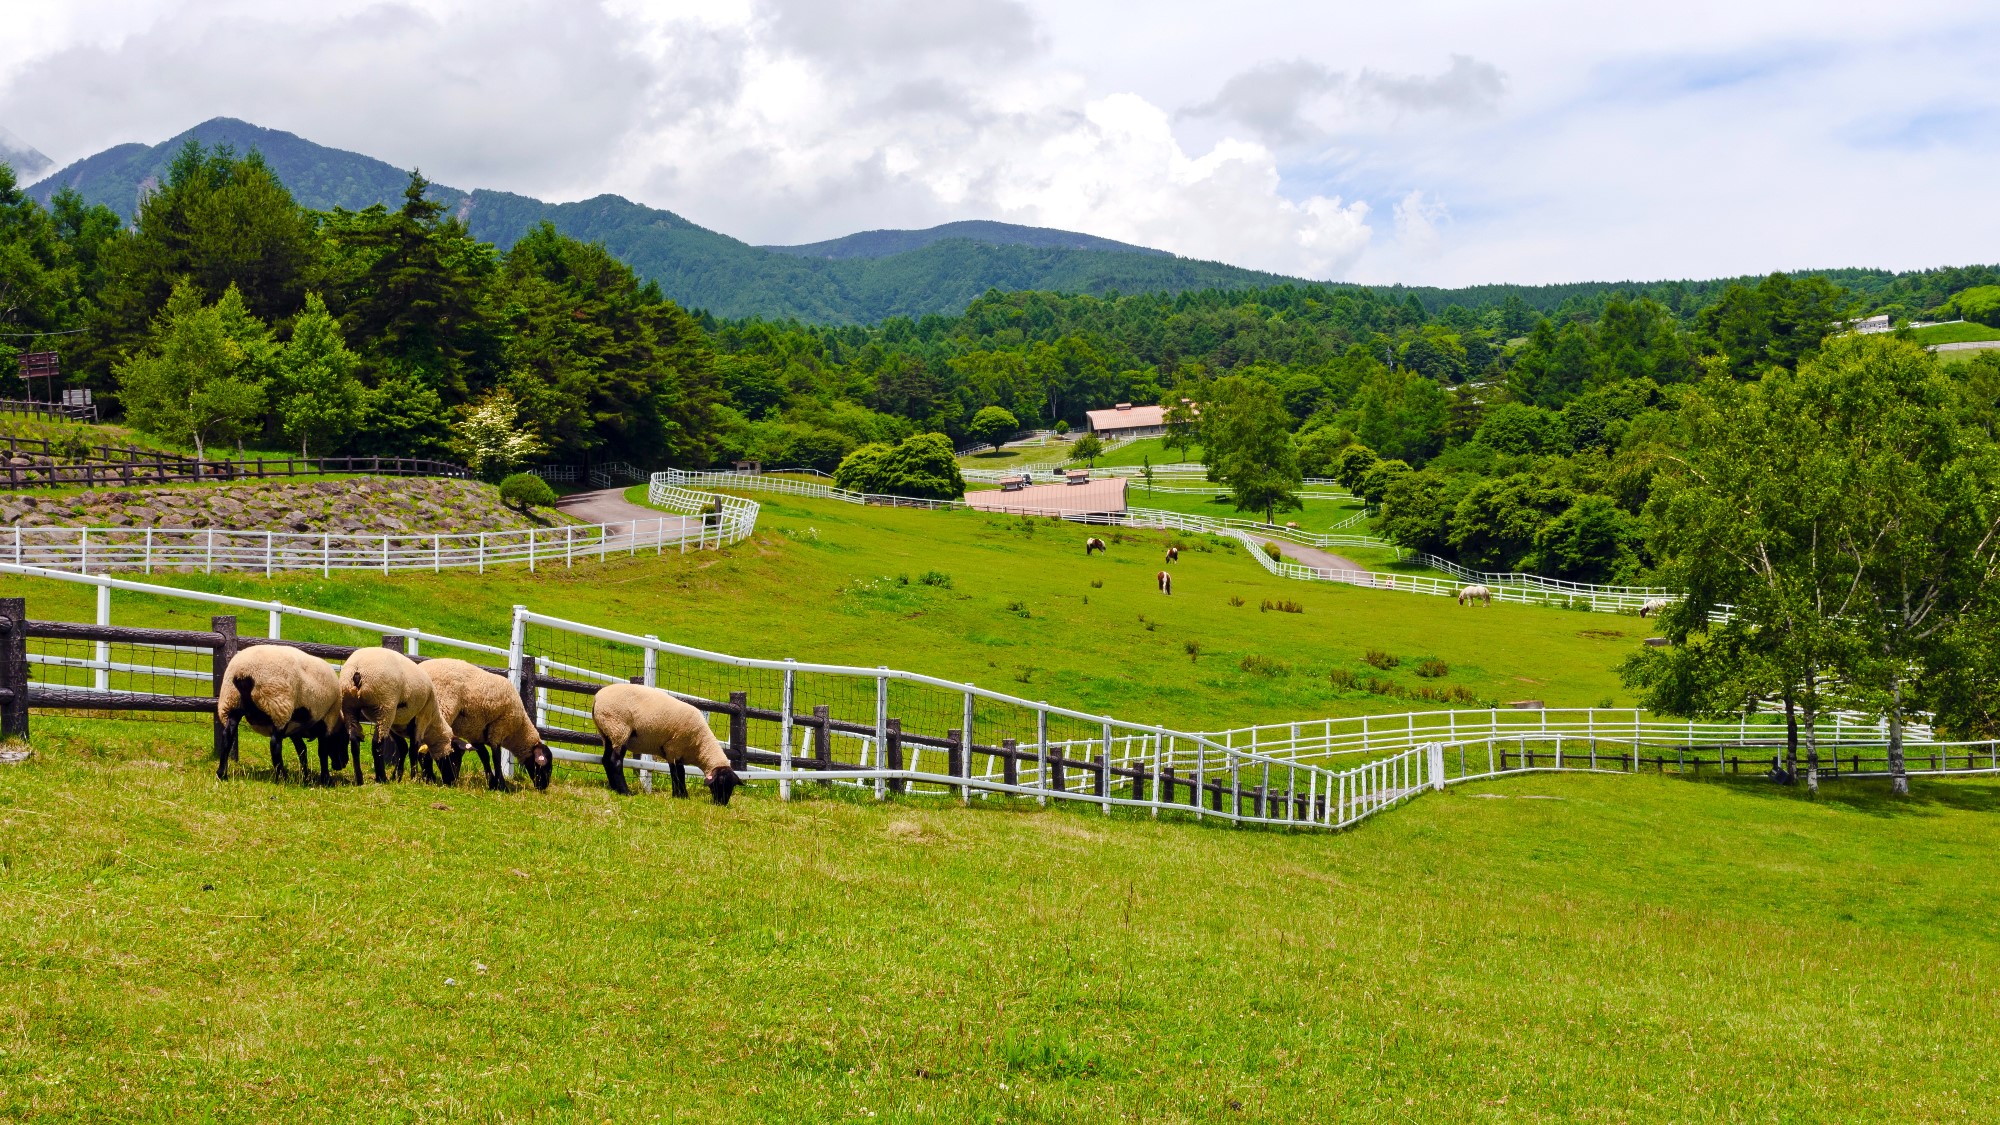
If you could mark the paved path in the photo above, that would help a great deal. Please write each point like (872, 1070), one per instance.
(1314, 557)
(609, 506)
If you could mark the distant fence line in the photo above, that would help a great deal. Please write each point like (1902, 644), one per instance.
(709, 521)
(1505, 586)
(790, 722)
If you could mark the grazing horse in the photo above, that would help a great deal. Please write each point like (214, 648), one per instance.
(1173, 554)
(1653, 606)
(1472, 594)
(1166, 583)
(1092, 545)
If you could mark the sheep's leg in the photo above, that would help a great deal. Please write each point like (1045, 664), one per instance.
(382, 734)
(305, 768)
(614, 768)
(277, 756)
(222, 750)
(679, 773)
(491, 764)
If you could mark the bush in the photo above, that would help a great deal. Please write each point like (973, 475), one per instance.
(1341, 679)
(1193, 650)
(526, 490)
(1282, 605)
(1380, 659)
(1263, 665)
(1235, 599)
(1431, 668)
(936, 578)
(1061, 426)
(923, 467)
(1272, 549)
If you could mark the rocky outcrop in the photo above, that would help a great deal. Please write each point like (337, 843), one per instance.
(364, 505)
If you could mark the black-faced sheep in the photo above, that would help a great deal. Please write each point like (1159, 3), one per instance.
(1092, 545)
(384, 688)
(282, 693)
(484, 711)
(1654, 606)
(635, 719)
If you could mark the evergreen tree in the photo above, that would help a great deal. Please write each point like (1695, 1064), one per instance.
(316, 393)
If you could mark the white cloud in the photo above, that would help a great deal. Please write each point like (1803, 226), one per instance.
(1570, 139)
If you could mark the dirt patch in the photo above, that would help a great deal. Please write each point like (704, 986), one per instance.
(1601, 634)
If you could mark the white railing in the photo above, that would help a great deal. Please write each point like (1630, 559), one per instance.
(1324, 773)
(711, 522)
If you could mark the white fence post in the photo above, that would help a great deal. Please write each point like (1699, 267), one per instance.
(103, 652)
(517, 636)
(1042, 753)
(784, 723)
(1437, 765)
(881, 729)
(965, 751)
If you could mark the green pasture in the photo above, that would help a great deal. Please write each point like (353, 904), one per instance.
(1566, 948)
(1315, 515)
(1016, 456)
(1959, 333)
(1025, 612)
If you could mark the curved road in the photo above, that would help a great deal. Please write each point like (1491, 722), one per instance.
(609, 506)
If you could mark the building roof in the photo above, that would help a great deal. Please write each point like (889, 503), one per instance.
(1098, 496)
(1127, 418)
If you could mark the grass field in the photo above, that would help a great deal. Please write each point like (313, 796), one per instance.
(1316, 515)
(1622, 949)
(1144, 449)
(1959, 333)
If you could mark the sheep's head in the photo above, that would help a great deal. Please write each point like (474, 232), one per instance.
(722, 782)
(540, 764)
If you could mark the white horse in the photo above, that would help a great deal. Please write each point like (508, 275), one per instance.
(1475, 594)
(1655, 605)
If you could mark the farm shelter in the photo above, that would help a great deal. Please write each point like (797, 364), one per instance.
(1128, 421)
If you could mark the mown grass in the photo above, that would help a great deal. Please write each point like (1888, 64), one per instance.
(820, 581)
(1141, 450)
(1624, 949)
(1314, 514)
(1960, 333)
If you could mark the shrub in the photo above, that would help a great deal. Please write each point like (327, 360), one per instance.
(1263, 665)
(70, 447)
(936, 578)
(1380, 659)
(1340, 679)
(1061, 427)
(1097, 583)
(923, 466)
(1282, 605)
(1018, 609)
(1193, 650)
(1235, 599)
(526, 490)
(1272, 550)
(1430, 668)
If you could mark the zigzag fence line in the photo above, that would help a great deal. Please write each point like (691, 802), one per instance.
(710, 521)
(1527, 589)
(789, 723)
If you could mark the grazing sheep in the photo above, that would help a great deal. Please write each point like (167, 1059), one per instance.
(1654, 605)
(284, 693)
(635, 719)
(1092, 545)
(383, 687)
(1166, 582)
(484, 711)
(1472, 594)
(1173, 554)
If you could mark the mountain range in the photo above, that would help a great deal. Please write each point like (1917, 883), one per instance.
(861, 278)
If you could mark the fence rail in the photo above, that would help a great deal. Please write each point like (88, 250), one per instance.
(54, 411)
(708, 522)
(124, 466)
(788, 722)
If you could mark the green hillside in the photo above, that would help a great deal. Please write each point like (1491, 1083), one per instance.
(882, 243)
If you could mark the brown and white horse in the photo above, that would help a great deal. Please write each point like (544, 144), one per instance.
(1166, 583)
(1092, 545)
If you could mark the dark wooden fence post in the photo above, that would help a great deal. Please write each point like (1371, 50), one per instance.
(1167, 784)
(892, 753)
(224, 627)
(396, 643)
(1139, 782)
(739, 730)
(1010, 765)
(1056, 775)
(1103, 767)
(823, 740)
(14, 668)
(529, 679)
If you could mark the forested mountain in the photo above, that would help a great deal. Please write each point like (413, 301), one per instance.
(882, 243)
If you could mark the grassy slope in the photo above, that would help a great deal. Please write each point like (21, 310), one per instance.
(1954, 333)
(1144, 449)
(1083, 646)
(1640, 949)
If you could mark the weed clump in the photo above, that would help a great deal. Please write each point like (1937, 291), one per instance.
(1431, 668)
(1193, 650)
(1235, 599)
(1283, 605)
(1261, 665)
(1379, 659)
(1097, 583)
(1018, 609)
(937, 578)
(1340, 679)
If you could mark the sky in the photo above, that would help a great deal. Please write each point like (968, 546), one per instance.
(1415, 141)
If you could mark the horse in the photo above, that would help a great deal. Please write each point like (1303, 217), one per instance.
(1173, 554)
(1092, 545)
(1653, 606)
(1475, 594)
(1166, 583)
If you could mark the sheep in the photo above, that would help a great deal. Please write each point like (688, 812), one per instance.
(635, 719)
(1655, 605)
(383, 687)
(284, 693)
(484, 711)
(1166, 582)
(1472, 594)
(1092, 545)
(1173, 554)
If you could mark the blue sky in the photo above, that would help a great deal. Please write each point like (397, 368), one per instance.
(1423, 142)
